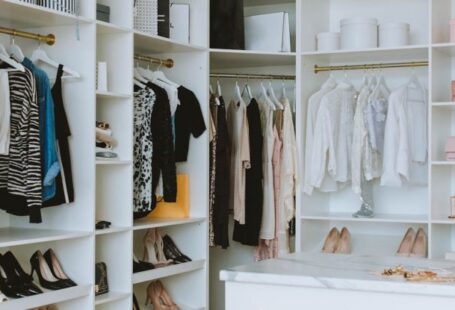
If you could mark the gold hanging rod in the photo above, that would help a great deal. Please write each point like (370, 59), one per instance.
(411, 64)
(48, 39)
(252, 76)
(168, 63)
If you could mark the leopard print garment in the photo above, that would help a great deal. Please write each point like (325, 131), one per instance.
(143, 150)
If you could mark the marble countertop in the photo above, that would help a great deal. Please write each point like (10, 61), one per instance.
(343, 272)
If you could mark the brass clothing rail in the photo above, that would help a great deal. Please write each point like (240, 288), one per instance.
(168, 63)
(48, 39)
(411, 64)
(252, 76)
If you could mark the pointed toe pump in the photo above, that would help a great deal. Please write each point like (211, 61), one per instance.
(172, 251)
(344, 244)
(331, 241)
(419, 248)
(56, 268)
(407, 243)
(21, 281)
(45, 276)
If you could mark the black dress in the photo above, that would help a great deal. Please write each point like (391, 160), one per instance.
(248, 234)
(221, 205)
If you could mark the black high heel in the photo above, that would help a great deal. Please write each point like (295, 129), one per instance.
(139, 266)
(135, 303)
(56, 268)
(172, 251)
(6, 286)
(21, 282)
(45, 277)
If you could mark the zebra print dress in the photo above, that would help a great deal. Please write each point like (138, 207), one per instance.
(20, 171)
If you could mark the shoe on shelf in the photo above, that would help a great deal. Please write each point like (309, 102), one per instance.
(419, 248)
(172, 251)
(56, 268)
(45, 276)
(407, 243)
(7, 288)
(331, 241)
(22, 282)
(344, 244)
(153, 249)
(135, 303)
(158, 296)
(139, 266)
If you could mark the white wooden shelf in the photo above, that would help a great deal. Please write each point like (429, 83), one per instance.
(379, 218)
(404, 53)
(155, 223)
(24, 15)
(443, 163)
(21, 236)
(109, 28)
(147, 43)
(445, 48)
(111, 95)
(114, 162)
(224, 59)
(110, 297)
(443, 221)
(111, 230)
(444, 105)
(266, 2)
(47, 298)
(169, 271)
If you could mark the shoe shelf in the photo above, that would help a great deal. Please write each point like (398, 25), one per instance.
(111, 95)
(48, 298)
(156, 223)
(22, 236)
(111, 230)
(110, 298)
(168, 271)
(378, 218)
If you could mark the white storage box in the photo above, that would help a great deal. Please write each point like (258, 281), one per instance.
(268, 32)
(393, 34)
(180, 22)
(359, 33)
(328, 41)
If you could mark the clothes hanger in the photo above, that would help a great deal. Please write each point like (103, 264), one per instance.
(381, 88)
(159, 75)
(40, 55)
(138, 79)
(218, 88)
(238, 92)
(4, 57)
(15, 51)
(266, 97)
(217, 101)
(283, 93)
(273, 97)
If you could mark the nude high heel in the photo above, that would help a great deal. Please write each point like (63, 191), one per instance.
(344, 244)
(419, 248)
(331, 241)
(407, 243)
(153, 249)
(159, 298)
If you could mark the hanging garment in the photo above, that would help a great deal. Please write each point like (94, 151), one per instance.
(288, 178)
(227, 24)
(248, 233)
(5, 113)
(328, 184)
(268, 213)
(222, 180)
(143, 198)
(212, 171)
(333, 136)
(64, 181)
(20, 171)
(405, 141)
(188, 120)
(50, 163)
(163, 161)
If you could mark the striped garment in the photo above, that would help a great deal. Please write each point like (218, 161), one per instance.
(20, 171)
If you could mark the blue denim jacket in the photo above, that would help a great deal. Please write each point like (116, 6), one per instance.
(50, 164)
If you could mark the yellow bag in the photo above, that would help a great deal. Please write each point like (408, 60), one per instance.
(178, 209)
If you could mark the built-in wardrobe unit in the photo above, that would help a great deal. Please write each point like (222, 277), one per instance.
(104, 189)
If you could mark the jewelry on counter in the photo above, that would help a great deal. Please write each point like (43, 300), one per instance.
(417, 275)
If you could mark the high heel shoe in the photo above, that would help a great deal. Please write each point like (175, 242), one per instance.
(407, 243)
(22, 282)
(172, 251)
(6, 287)
(56, 268)
(331, 241)
(344, 243)
(135, 303)
(165, 296)
(160, 249)
(45, 276)
(160, 299)
(139, 266)
(153, 249)
(419, 248)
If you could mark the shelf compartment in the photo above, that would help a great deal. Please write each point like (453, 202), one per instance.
(22, 236)
(156, 223)
(110, 297)
(111, 230)
(24, 15)
(404, 53)
(224, 59)
(379, 218)
(146, 43)
(164, 272)
(47, 298)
